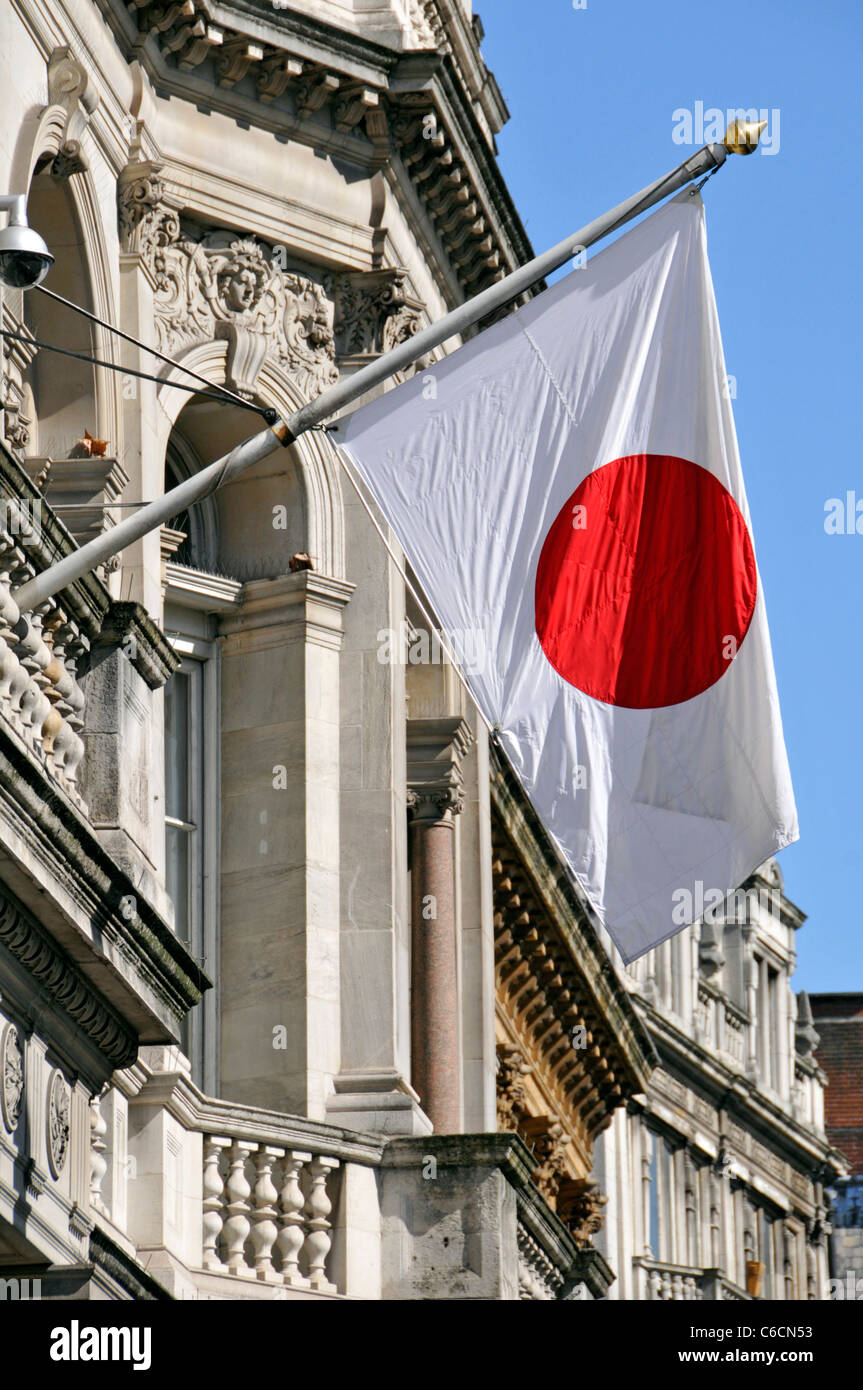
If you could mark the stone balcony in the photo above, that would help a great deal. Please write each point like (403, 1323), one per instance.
(670, 1283)
(216, 1200)
(41, 700)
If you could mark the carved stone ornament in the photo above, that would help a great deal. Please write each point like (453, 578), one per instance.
(148, 220)
(375, 311)
(549, 1142)
(420, 31)
(71, 96)
(512, 1068)
(59, 1109)
(225, 286)
(435, 804)
(12, 1076)
(17, 422)
(581, 1205)
(68, 988)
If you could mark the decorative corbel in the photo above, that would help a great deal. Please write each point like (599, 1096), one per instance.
(71, 103)
(375, 310)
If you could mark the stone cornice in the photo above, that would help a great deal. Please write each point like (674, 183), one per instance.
(732, 1092)
(176, 1093)
(89, 905)
(321, 85)
(602, 990)
(149, 651)
(209, 593)
(110, 1257)
(305, 606)
(61, 981)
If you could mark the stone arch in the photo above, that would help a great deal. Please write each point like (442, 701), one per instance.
(315, 464)
(54, 155)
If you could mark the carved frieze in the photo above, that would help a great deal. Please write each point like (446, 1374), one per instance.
(232, 287)
(11, 1076)
(65, 984)
(58, 1128)
(226, 286)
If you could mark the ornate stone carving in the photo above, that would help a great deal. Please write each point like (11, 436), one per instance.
(581, 1205)
(226, 286)
(374, 311)
(59, 1110)
(66, 985)
(70, 91)
(550, 1143)
(420, 31)
(11, 1076)
(149, 220)
(511, 1071)
(435, 805)
(16, 425)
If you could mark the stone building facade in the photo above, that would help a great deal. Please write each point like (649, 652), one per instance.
(839, 1050)
(717, 1177)
(295, 998)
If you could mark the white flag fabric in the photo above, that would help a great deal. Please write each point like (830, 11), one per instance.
(567, 488)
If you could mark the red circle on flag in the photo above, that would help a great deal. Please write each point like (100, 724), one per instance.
(646, 583)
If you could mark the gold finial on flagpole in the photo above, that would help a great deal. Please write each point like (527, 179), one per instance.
(742, 137)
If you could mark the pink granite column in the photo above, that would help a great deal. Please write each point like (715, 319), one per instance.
(435, 748)
(434, 992)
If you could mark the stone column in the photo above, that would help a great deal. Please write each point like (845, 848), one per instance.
(280, 995)
(435, 750)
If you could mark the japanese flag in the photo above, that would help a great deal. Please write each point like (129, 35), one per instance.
(567, 488)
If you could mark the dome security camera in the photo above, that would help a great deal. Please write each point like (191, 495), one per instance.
(24, 258)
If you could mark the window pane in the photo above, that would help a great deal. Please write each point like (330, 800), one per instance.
(177, 877)
(177, 746)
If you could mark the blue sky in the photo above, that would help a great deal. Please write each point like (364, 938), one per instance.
(592, 94)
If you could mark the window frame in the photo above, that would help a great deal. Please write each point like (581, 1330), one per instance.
(200, 656)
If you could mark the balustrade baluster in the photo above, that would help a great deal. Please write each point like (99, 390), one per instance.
(318, 1208)
(238, 1191)
(289, 1241)
(265, 1230)
(214, 1189)
(98, 1147)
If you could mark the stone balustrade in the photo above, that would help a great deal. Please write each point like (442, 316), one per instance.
(717, 1286)
(40, 697)
(230, 1200)
(720, 1023)
(267, 1212)
(670, 1283)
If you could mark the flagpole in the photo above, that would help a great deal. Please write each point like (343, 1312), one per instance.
(739, 139)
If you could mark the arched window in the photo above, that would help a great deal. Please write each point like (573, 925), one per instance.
(199, 523)
(64, 388)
